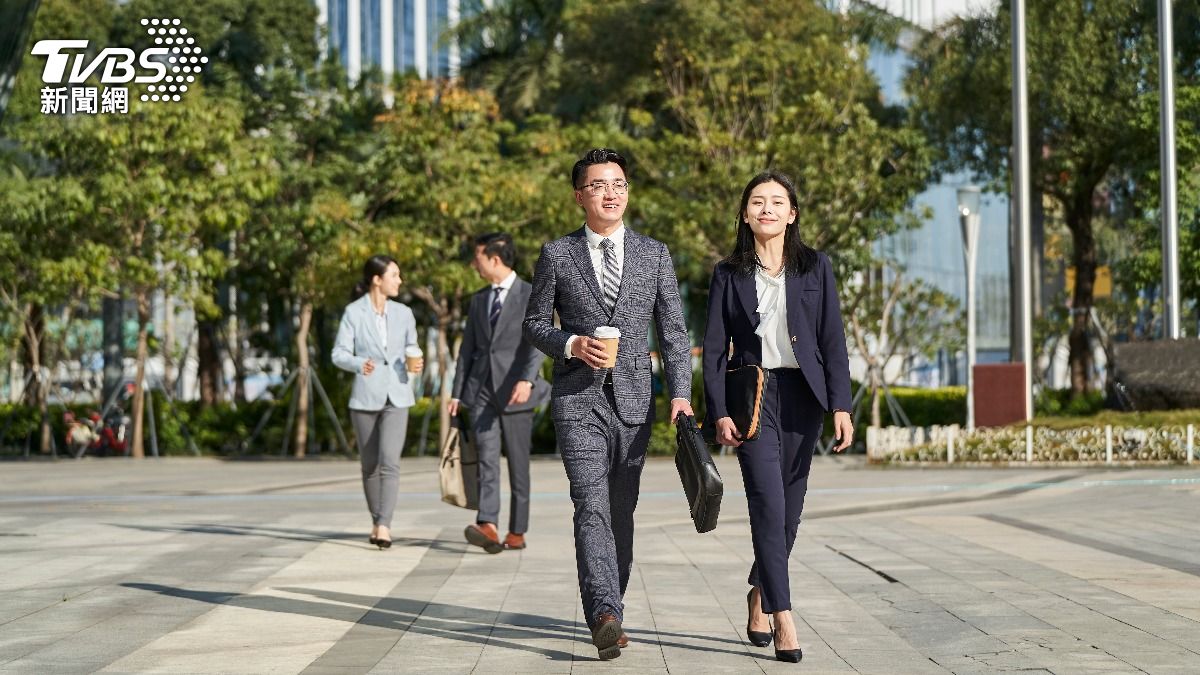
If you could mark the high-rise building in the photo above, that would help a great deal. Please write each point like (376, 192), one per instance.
(397, 36)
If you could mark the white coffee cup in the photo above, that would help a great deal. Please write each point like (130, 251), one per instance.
(611, 337)
(411, 356)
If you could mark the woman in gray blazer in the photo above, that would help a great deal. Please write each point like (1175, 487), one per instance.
(371, 343)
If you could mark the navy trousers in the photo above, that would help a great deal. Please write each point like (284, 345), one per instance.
(775, 470)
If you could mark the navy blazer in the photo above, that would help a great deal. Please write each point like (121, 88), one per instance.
(814, 320)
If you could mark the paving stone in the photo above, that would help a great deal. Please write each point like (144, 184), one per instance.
(201, 566)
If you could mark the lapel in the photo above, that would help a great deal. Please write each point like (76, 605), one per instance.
(795, 308)
(510, 301)
(583, 260)
(393, 327)
(483, 309)
(368, 317)
(748, 295)
(631, 266)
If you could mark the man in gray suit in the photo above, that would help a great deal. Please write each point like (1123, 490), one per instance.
(605, 274)
(498, 378)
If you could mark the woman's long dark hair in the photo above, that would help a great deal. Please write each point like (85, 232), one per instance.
(798, 257)
(376, 266)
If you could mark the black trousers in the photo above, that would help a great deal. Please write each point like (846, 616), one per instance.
(775, 470)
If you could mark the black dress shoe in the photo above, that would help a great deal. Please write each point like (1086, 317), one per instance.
(788, 655)
(757, 638)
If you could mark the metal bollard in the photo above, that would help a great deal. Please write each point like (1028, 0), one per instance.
(1191, 442)
(1108, 443)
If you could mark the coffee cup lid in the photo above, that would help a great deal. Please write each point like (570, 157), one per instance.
(606, 332)
(413, 351)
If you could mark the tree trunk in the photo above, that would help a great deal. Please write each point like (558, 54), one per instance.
(301, 437)
(35, 332)
(209, 361)
(1083, 256)
(114, 344)
(876, 395)
(443, 360)
(137, 449)
(16, 381)
(239, 359)
(168, 344)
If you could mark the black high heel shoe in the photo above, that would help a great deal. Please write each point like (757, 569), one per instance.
(757, 638)
(383, 543)
(788, 655)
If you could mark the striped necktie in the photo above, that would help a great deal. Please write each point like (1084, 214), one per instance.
(494, 312)
(611, 276)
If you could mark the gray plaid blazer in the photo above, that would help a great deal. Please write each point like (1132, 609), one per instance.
(565, 280)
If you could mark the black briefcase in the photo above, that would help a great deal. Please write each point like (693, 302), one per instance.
(701, 480)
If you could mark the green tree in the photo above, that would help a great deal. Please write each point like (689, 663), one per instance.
(46, 263)
(892, 316)
(705, 94)
(1093, 70)
(156, 178)
(1141, 268)
(443, 168)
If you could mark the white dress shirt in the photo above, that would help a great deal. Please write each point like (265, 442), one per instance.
(504, 287)
(772, 320)
(596, 251)
(381, 324)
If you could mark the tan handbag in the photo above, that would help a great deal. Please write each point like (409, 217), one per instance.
(459, 468)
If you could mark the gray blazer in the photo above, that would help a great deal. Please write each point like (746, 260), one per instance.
(566, 281)
(501, 355)
(359, 340)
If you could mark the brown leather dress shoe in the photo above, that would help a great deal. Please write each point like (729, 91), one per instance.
(606, 636)
(514, 542)
(484, 536)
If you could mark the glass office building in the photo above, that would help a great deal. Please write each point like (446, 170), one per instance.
(397, 36)
(933, 252)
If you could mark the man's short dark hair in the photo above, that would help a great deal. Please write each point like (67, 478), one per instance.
(500, 244)
(595, 156)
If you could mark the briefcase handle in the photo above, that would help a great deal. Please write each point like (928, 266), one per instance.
(688, 418)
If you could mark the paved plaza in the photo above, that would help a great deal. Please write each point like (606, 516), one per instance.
(205, 566)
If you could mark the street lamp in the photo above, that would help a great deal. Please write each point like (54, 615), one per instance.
(968, 217)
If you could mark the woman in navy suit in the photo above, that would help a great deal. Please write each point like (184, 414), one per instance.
(776, 300)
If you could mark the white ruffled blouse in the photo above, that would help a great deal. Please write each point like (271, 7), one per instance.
(772, 320)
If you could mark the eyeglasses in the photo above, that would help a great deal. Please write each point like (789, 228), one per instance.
(619, 187)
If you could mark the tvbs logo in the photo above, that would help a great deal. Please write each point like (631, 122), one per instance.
(166, 69)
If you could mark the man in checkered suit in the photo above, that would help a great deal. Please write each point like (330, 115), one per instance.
(605, 274)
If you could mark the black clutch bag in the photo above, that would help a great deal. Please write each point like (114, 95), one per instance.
(698, 473)
(743, 399)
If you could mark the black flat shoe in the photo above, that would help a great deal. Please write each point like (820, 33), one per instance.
(757, 638)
